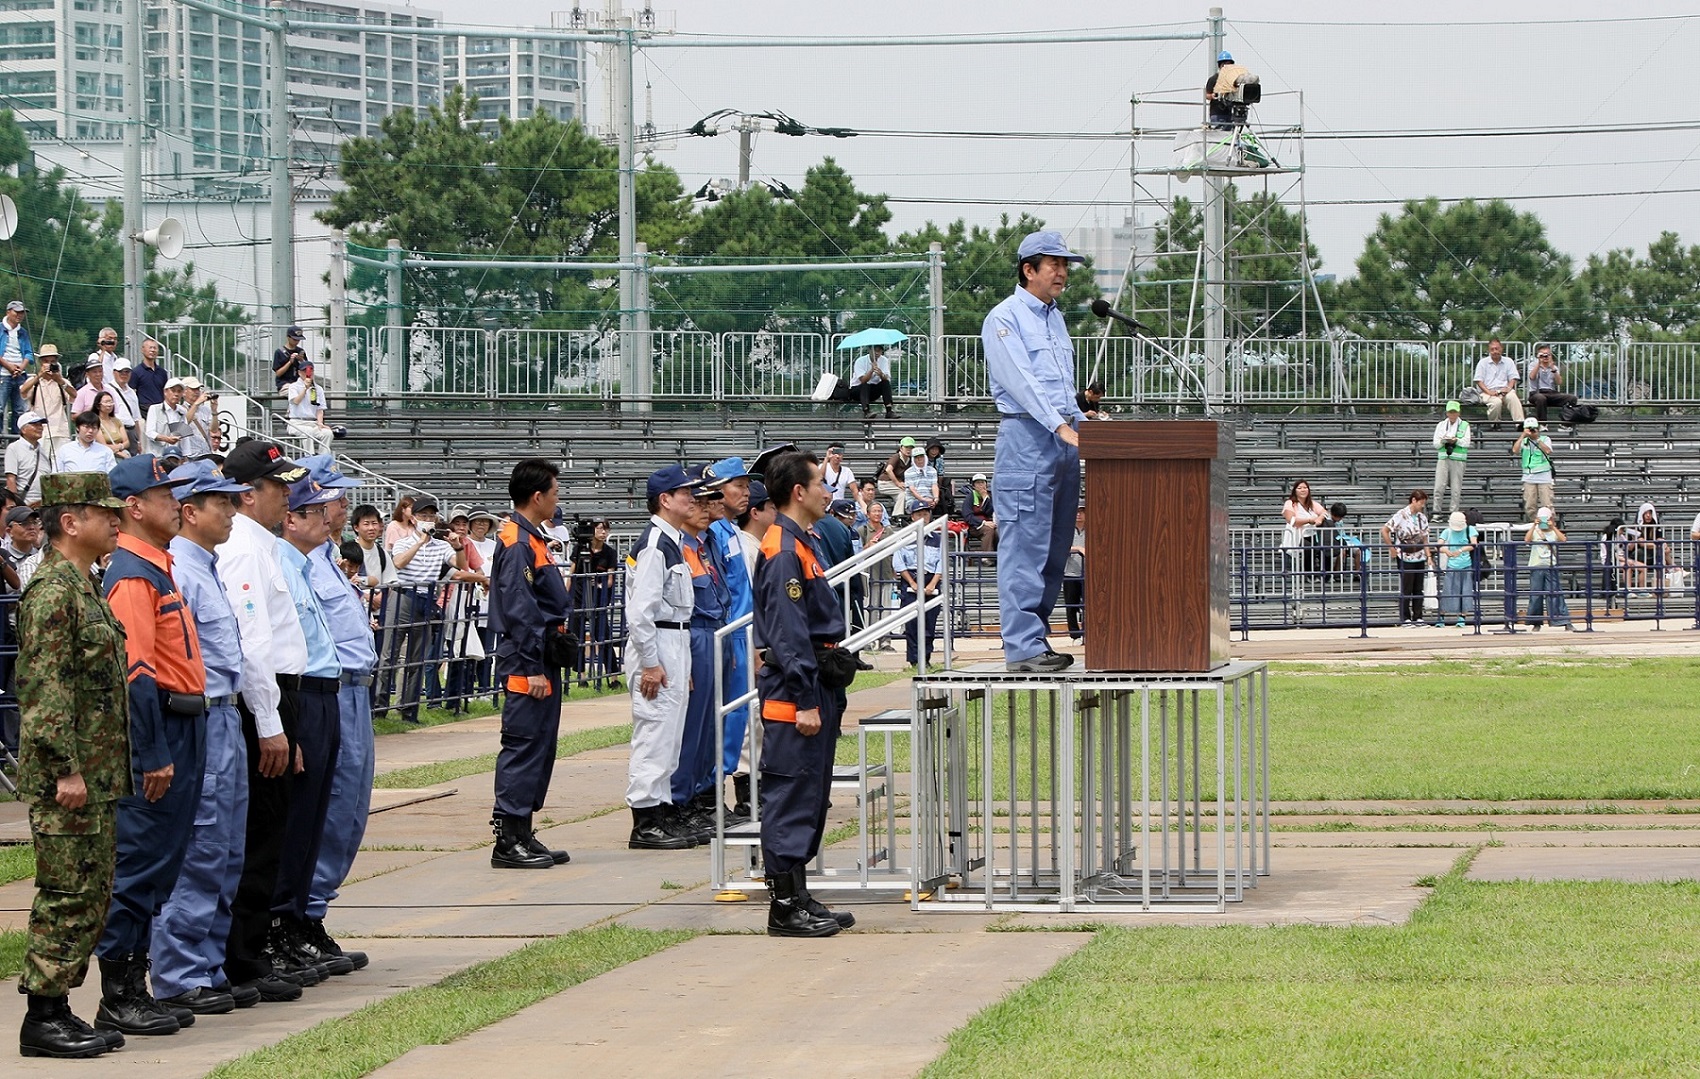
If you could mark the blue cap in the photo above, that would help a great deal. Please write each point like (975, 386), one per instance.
(133, 475)
(202, 477)
(306, 492)
(727, 469)
(670, 478)
(322, 467)
(1048, 242)
(758, 492)
(1224, 57)
(765, 457)
(841, 505)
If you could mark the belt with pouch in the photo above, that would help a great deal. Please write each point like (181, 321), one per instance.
(222, 702)
(183, 704)
(349, 679)
(311, 684)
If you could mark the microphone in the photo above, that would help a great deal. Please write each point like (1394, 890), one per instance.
(1101, 307)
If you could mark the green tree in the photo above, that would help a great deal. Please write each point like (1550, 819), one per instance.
(1653, 298)
(1469, 271)
(442, 181)
(1269, 265)
(979, 272)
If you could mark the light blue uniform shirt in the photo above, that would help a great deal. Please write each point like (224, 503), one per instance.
(195, 569)
(1030, 360)
(344, 612)
(321, 646)
(904, 559)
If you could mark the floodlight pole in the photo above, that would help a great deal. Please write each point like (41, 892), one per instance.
(1215, 256)
(637, 374)
(937, 390)
(135, 107)
(283, 200)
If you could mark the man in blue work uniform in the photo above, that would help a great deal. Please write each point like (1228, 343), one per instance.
(318, 728)
(351, 786)
(189, 935)
(920, 575)
(1030, 365)
(797, 618)
(693, 778)
(730, 542)
(167, 744)
(528, 616)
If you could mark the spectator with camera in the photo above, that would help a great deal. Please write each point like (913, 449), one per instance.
(1546, 383)
(1406, 537)
(1452, 448)
(307, 411)
(1533, 451)
(200, 411)
(1457, 549)
(422, 562)
(1546, 590)
(50, 396)
(288, 360)
(167, 422)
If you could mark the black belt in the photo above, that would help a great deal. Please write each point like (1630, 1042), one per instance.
(356, 679)
(1014, 416)
(672, 625)
(222, 702)
(309, 683)
(183, 704)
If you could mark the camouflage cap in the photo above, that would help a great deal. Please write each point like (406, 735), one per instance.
(78, 489)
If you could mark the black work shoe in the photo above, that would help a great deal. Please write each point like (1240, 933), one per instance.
(650, 831)
(536, 846)
(245, 995)
(787, 916)
(844, 918)
(50, 1030)
(270, 988)
(202, 1001)
(295, 933)
(315, 934)
(125, 1004)
(511, 851)
(1044, 663)
(290, 967)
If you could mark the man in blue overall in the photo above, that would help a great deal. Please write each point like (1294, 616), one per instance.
(528, 615)
(189, 934)
(729, 543)
(1030, 365)
(693, 779)
(798, 618)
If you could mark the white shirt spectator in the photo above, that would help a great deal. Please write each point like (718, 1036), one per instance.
(426, 567)
(26, 463)
(76, 457)
(841, 479)
(921, 481)
(196, 444)
(1497, 377)
(169, 420)
(865, 363)
(124, 403)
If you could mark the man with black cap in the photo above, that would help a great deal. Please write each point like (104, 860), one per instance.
(528, 613)
(274, 659)
(191, 930)
(693, 779)
(659, 601)
(168, 704)
(1030, 367)
(287, 361)
(318, 729)
(422, 563)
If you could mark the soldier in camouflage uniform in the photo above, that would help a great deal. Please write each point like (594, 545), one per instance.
(74, 759)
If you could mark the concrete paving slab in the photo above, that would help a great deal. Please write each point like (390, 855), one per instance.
(1674, 841)
(1638, 866)
(688, 1011)
(397, 965)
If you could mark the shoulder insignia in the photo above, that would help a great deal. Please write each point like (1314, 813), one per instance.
(794, 589)
(1003, 331)
(528, 577)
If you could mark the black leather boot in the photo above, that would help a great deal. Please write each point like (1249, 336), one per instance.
(689, 822)
(125, 1005)
(536, 846)
(314, 932)
(301, 941)
(814, 906)
(740, 800)
(650, 831)
(510, 851)
(786, 914)
(50, 1030)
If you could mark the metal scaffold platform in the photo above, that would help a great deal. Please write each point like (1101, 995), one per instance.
(1090, 791)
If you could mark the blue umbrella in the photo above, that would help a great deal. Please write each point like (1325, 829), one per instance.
(876, 336)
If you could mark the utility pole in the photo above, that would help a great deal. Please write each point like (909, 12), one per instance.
(746, 136)
(1215, 256)
(937, 390)
(135, 108)
(638, 364)
(283, 195)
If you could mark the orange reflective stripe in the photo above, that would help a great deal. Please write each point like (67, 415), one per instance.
(771, 540)
(519, 683)
(693, 558)
(811, 565)
(779, 711)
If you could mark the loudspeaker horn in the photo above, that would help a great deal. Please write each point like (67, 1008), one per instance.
(8, 217)
(166, 237)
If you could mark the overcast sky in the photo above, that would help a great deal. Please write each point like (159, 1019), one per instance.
(1447, 71)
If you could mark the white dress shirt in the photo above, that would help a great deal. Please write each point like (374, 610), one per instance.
(272, 641)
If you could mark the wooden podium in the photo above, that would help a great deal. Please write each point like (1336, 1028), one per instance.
(1156, 544)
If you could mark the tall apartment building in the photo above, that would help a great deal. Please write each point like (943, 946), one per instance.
(62, 66)
(517, 75)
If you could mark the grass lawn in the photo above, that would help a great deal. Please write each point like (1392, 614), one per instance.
(1541, 727)
(17, 861)
(1531, 980)
(454, 1007)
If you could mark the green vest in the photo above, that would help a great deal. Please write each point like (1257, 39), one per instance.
(1460, 451)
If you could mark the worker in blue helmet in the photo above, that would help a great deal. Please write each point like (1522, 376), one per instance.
(1219, 85)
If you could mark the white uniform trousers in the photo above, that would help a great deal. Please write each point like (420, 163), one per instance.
(658, 726)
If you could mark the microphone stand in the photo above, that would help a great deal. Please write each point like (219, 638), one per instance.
(1142, 332)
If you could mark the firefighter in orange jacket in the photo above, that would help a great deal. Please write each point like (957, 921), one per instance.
(528, 615)
(796, 613)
